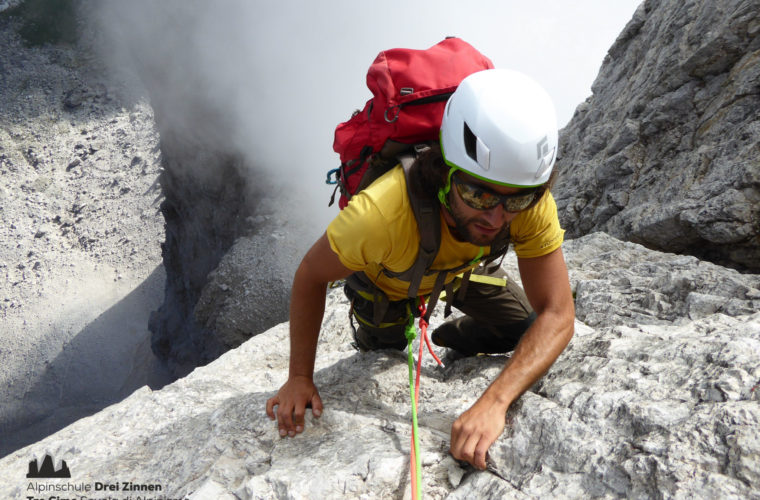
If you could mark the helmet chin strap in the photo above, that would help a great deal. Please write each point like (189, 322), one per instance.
(444, 191)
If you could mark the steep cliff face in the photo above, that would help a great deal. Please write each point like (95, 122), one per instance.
(203, 182)
(214, 194)
(229, 256)
(89, 195)
(204, 208)
(666, 152)
(641, 405)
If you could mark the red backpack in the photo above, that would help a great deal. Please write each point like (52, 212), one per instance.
(410, 88)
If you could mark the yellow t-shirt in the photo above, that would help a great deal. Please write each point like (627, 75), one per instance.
(378, 230)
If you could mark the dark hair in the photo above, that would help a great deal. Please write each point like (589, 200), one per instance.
(429, 174)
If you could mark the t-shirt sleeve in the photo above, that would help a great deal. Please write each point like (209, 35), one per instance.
(536, 232)
(359, 234)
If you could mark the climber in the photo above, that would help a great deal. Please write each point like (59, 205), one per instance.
(490, 175)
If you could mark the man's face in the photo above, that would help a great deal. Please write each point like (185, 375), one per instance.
(479, 227)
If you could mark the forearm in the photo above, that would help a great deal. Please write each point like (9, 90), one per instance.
(319, 266)
(477, 428)
(307, 307)
(541, 345)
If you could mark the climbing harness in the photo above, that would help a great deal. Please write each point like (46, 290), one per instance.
(415, 461)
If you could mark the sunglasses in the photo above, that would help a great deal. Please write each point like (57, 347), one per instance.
(481, 198)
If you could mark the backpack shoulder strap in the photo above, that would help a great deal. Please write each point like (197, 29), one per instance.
(426, 214)
(425, 210)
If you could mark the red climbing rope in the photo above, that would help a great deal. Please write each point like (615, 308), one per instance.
(415, 466)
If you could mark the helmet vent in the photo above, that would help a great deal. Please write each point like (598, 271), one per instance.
(476, 149)
(470, 143)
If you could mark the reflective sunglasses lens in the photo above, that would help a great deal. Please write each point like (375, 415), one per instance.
(481, 199)
(519, 203)
(476, 197)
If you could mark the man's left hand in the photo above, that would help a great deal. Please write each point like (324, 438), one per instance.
(548, 290)
(476, 430)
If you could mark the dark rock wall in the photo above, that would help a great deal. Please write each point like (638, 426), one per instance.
(666, 152)
(204, 208)
(204, 180)
(214, 182)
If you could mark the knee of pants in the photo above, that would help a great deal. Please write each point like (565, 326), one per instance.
(517, 329)
(495, 305)
(469, 337)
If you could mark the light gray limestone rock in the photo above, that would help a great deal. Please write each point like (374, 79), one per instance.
(641, 286)
(80, 233)
(249, 291)
(219, 187)
(659, 409)
(665, 152)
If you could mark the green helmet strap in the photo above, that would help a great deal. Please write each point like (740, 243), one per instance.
(444, 191)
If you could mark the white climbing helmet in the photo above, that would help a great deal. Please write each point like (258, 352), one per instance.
(500, 126)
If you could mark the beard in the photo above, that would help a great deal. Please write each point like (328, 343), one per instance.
(466, 230)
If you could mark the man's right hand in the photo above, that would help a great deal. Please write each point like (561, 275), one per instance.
(319, 266)
(291, 400)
